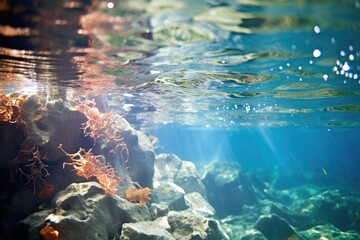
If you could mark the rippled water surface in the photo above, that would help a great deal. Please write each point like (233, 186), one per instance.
(200, 63)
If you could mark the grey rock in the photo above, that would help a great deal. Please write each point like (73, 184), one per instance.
(333, 207)
(140, 163)
(328, 231)
(158, 210)
(170, 194)
(186, 225)
(227, 187)
(145, 231)
(169, 167)
(80, 208)
(198, 205)
(274, 227)
(253, 234)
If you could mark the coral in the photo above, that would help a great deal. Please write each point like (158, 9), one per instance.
(88, 165)
(30, 163)
(99, 124)
(47, 191)
(140, 196)
(10, 109)
(49, 233)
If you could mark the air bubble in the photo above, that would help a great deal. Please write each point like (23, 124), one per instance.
(317, 29)
(110, 5)
(342, 53)
(316, 53)
(351, 57)
(346, 66)
(325, 77)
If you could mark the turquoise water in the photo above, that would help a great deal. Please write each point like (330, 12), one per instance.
(273, 86)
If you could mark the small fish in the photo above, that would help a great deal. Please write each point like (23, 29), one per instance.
(324, 171)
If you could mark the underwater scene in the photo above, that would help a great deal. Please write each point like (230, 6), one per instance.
(180, 119)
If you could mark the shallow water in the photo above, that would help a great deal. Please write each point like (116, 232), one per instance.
(271, 85)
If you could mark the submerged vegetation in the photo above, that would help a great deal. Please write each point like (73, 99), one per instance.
(87, 165)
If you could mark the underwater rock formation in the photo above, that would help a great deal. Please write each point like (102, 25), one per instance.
(33, 165)
(147, 230)
(173, 179)
(62, 158)
(79, 209)
(228, 188)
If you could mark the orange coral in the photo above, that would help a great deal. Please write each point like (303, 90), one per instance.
(140, 196)
(30, 163)
(46, 191)
(49, 233)
(10, 109)
(87, 165)
(99, 124)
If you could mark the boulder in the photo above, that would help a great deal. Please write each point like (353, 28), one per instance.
(169, 167)
(80, 208)
(328, 231)
(253, 234)
(274, 227)
(198, 205)
(228, 189)
(187, 226)
(170, 194)
(147, 230)
(334, 207)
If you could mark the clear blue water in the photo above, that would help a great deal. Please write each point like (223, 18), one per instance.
(272, 85)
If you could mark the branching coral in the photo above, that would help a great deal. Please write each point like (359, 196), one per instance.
(30, 163)
(10, 109)
(88, 165)
(140, 196)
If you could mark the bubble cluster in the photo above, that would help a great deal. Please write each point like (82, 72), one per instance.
(344, 66)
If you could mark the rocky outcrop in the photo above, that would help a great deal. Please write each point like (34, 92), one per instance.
(33, 169)
(148, 230)
(83, 211)
(173, 179)
(228, 188)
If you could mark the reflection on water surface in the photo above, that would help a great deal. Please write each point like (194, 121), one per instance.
(214, 63)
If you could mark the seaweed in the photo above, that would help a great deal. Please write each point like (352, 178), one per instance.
(30, 164)
(10, 109)
(87, 165)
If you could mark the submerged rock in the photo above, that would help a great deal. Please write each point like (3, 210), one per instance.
(334, 207)
(187, 226)
(328, 231)
(148, 230)
(173, 178)
(169, 167)
(274, 227)
(31, 166)
(83, 211)
(227, 187)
